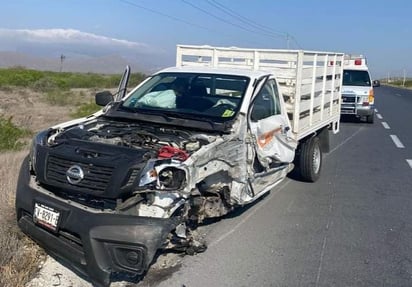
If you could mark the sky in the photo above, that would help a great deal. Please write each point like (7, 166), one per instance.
(148, 30)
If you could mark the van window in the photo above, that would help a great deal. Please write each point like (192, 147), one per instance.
(356, 78)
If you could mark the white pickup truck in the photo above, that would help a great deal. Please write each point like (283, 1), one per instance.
(216, 132)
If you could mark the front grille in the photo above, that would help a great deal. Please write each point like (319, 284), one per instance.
(349, 99)
(95, 181)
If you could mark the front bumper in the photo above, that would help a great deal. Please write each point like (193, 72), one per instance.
(357, 110)
(93, 242)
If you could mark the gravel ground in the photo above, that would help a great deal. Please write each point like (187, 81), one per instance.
(52, 273)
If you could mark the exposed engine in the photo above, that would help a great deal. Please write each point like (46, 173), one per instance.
(132, 135)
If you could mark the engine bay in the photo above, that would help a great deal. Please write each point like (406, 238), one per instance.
(132, 135)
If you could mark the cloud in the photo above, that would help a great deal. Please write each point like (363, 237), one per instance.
(66, 36)
(68, 40)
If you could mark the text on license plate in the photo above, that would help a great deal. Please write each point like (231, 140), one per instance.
(46, 216)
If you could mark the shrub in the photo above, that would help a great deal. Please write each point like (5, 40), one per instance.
(45, 80)
(85, 110)
(60, 98)
(11, 136)
(19, 77)
(45, 84)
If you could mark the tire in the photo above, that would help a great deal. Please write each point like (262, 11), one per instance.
(310, 160)
(370, 118)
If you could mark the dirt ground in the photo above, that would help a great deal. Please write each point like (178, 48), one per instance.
(28, 109)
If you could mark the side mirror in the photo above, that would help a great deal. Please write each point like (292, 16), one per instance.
(376, 83)
(103, 98)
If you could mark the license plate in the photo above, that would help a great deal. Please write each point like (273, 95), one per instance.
(46, 216)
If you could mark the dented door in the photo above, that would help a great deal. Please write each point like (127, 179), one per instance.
(273, 146)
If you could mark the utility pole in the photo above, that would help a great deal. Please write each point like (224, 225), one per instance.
(62, 58)
(287, 40)
(404, 77)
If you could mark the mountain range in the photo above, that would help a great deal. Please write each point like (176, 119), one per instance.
(107, 64)
(77, 51)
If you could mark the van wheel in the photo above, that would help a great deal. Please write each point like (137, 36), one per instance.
(310, 160)
(369, 119)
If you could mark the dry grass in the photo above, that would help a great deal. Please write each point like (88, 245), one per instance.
(20, 258)
(29, 109)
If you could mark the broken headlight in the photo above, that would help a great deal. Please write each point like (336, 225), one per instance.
(163, 174)
(171, 178)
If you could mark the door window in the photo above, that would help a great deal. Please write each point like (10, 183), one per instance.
(266, 103)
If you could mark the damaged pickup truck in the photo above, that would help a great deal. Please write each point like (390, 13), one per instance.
(106, 192)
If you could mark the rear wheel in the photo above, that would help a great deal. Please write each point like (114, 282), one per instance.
(310, 160)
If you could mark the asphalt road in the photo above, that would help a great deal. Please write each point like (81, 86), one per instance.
(351, 228)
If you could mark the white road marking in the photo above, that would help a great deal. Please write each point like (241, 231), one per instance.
(379, 116)
(397, 142)
(376, 110)
(386, 126)
(409, 161)
(399, 95)
(322, 253)
(289, 209)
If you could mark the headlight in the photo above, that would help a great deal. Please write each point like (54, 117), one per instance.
(171, 178)
(39, 139)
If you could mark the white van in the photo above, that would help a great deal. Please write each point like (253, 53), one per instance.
(357, 89)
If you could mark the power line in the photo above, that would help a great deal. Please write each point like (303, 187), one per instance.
(243, 19)
(223, 8)
(174, 18)
(252, 23)
(223, 20)
(295, 41)
(164, 14)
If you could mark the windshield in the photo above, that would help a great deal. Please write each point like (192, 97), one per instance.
(189, 95)
(356, 78)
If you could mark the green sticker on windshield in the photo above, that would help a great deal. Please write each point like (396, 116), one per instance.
(228, 113)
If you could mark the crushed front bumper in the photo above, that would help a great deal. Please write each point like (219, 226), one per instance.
(93, 242)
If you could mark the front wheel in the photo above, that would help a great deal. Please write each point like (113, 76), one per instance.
(310, 160)
(370, 118)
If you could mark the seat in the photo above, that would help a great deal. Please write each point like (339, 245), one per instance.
(198, 90)
(160, 87)
(195, 99)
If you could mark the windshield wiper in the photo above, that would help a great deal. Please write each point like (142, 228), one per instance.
(126, 108)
